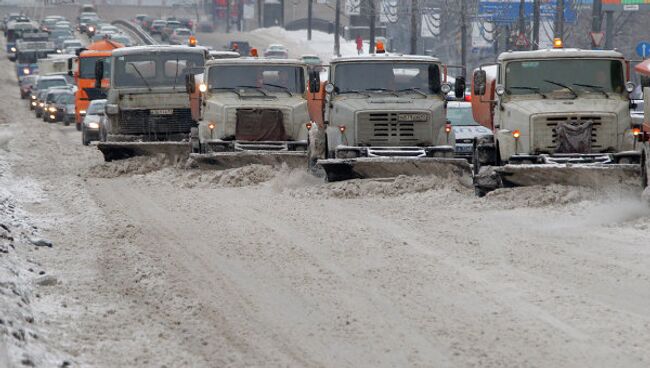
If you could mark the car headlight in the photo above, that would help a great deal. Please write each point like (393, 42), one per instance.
(93, 125)
(91, 29)
(40, 104)
(26, 71)
(52, 109)
(82, 112)
(33, 103)
(33, 97)
(13, 49)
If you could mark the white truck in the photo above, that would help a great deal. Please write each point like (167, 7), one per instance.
(384, 115)
(254, 110)
(558, 116)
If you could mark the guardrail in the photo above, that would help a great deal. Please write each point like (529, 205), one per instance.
(137, 31)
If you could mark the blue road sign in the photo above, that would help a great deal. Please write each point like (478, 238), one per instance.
(507, 11)
(643, 49)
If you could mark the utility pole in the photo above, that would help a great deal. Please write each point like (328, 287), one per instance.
(373, 17)
(463, 37)
(596, 19)
(559, 20)
(282, 13)
(414, 27)
(259, 14)
(609, 31)
(240, 15)
(337, 29)
(535, 24)
(522, 21)
(227, 16)
(309, 18)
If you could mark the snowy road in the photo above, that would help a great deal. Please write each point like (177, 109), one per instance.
(252, 267)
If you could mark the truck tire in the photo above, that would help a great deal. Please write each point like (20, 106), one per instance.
(484, 159)
(645, 173)
(195, 144)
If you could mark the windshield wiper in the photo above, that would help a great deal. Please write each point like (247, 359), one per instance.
(142, 77)
(534, 89)
(413, 89)
(262, 90)
(286, 89)
(600, 89)
(563, 86)
(380, 90)
(230, 89)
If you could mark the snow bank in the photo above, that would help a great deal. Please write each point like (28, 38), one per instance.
(133, 166)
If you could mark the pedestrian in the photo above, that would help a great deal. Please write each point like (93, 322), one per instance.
(359, 45)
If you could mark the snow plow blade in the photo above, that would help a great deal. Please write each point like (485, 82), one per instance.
(388, 167)
(593, 176)
(175, 151)
(232, 160)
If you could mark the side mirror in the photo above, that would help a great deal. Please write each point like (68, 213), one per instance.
(645, 81)
(190, 83)
(314, 82)
(459, 88)
(480, 81)
(79, 51)
(99, 73)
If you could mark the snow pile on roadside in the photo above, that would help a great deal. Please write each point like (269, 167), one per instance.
(21, 339)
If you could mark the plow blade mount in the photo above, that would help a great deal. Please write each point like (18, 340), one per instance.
(232, 160)
(122, 150)
(389, 167)
(593, 176)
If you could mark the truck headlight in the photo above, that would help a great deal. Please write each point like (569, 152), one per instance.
(82, 112)
(111, 109)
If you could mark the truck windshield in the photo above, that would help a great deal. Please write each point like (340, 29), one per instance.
(31, 57)
(272, 78)
(87, 66)
(387, 76)
(165, 69)
(581, 75)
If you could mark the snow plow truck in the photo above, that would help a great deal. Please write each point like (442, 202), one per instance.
(559, 116)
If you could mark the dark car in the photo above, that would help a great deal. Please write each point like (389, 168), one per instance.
(169, 29)
(49, 108)
(26, 84)
(42, 84)
(63, 108)
(157, 26)
(242, 47)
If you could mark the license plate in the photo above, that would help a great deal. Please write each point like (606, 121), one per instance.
(162, 112)
(463, 149)
(412, 117)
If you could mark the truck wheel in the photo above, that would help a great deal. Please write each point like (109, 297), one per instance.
(644, 170)
(195, 144)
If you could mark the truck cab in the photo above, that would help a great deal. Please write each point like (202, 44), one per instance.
(388, 106)
(556, 106)
(253, 104)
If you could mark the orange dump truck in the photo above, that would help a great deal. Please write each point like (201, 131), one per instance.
(85, 76)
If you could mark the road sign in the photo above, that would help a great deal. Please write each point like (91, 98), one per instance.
(626, 5)
(597, 38)
(643, 49)
(507, 11)
(521, 41)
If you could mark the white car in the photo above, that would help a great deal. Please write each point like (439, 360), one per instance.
(459, 115)
(91, 128)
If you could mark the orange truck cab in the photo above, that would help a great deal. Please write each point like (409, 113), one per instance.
(85, 76)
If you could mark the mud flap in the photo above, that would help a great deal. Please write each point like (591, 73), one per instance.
(174, 151)
(593, 176)
(231, 160)
(385, 167)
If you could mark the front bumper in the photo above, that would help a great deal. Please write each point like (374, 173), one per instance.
(347, 152)
(217, 145)
(628, 157)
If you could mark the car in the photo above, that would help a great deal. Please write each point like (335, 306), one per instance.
(108, 29)
(64, 24)
(88, 25)
(157, 26)
(242, 47)
(169, 28)
(63, 108)
(276, 51)
(59, 35)
(91, 126)
(180, 36)
(311, 59)
(71, 46)
(48, 24)
(122, 39)
(139, 19)
(26, 84)
(465, 128)
(42, 84)
(49, 109)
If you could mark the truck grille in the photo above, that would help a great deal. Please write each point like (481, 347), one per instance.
(143, 122)
(603, 135)
(385, 129)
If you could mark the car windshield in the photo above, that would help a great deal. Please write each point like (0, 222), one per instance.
(47, 83)
(460, 116)
(580, 75)
(164, 69)
(96, 108)
(183, 33)
(419, 77)
(273, 78)
(87, 67)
